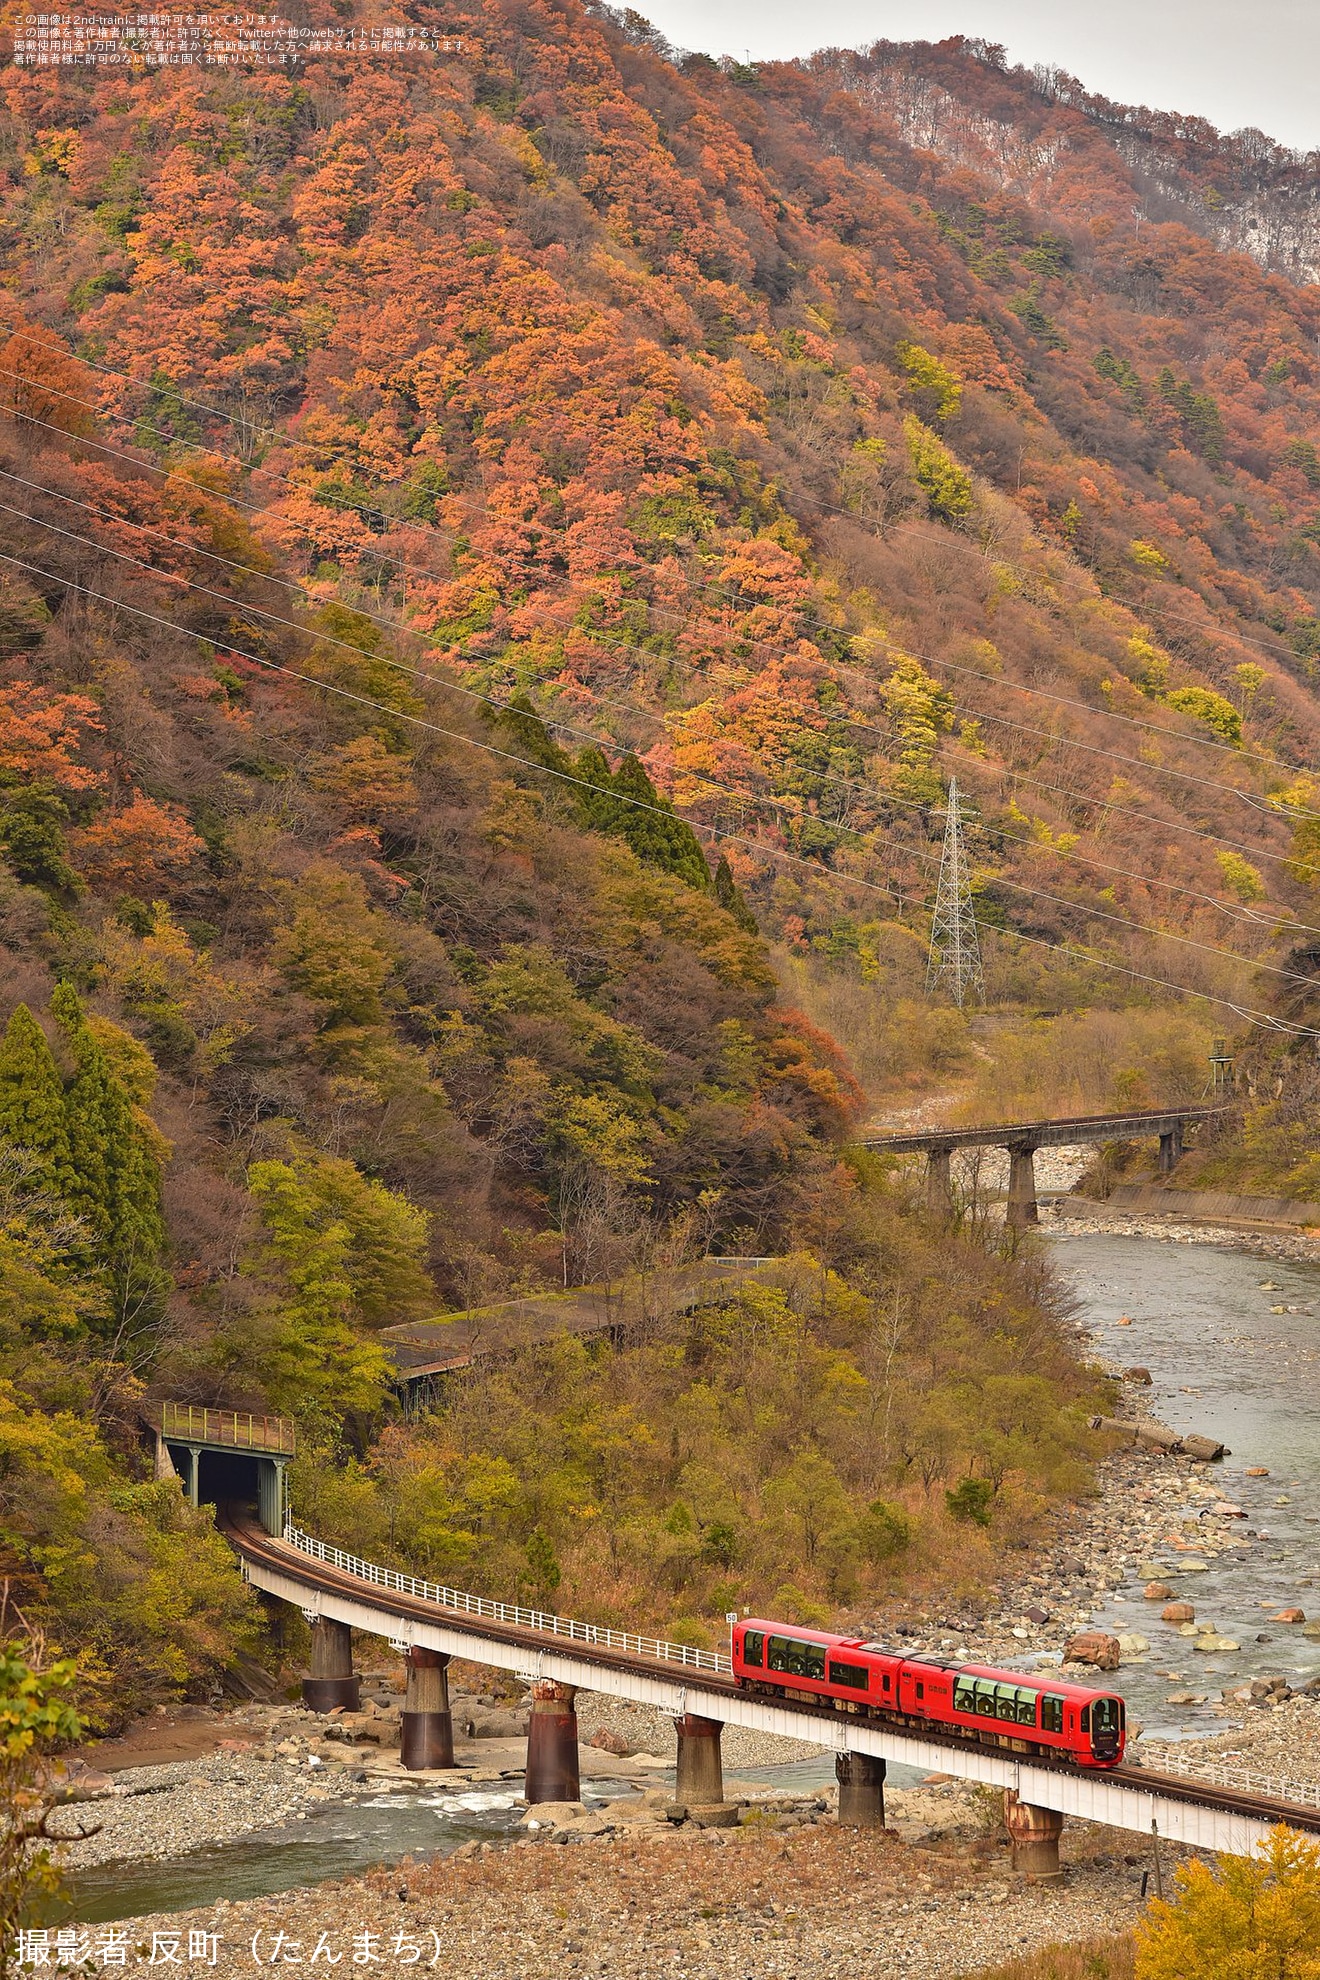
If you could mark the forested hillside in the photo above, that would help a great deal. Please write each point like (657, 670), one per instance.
(502, 553)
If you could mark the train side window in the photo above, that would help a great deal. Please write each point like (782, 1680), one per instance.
(964, 1694)
(886, 1681)
(1051, 1714)
(1086, 1718)
(1026, 1707)
(856, 1676)
(754, 1646)
(985, 1697)
(794, 1659)
(921, 1690)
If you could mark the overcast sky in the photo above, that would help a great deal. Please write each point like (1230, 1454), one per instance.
(1237, 62)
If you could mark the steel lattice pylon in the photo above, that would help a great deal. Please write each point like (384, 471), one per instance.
(955, 952)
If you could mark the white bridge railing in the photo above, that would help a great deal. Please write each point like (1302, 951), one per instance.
(1219, 1773)
(652, 1647)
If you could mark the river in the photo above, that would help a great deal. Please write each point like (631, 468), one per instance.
(1223, 1360)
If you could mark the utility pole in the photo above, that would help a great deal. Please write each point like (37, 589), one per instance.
(955, 953)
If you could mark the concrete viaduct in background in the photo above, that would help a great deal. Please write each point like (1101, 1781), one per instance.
(1023, 1138)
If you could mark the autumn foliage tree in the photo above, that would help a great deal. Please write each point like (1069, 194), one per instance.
(1240, 1917)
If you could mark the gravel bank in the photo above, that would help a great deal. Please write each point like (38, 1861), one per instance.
(1100, 1222)
(159, 1812)
(1281, 1744)
(814, 1902)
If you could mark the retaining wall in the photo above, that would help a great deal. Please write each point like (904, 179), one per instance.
(1199, 1206)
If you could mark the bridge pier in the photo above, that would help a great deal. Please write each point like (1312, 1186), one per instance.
(1034, 1833)
(1171, 1149)
(552, 1743)
(939, 1182)
(1022, 1210)
(861, 1778)
(332, 1682)
(426, 1726)
(700, 1781)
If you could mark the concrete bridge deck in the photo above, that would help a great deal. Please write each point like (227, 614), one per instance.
(339, 1593)
(1022, 1138)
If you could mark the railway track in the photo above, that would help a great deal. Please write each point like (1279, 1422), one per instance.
(391, 1602)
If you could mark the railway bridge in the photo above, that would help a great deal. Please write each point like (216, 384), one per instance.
(429, 1624)
(1023, 1138)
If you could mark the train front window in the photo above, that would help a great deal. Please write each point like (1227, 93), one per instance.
(1106, 1718)
(754, 1646)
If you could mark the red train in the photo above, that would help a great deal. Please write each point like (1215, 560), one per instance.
(1025, 1714)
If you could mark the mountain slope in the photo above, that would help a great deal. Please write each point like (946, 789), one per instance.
(724, 417)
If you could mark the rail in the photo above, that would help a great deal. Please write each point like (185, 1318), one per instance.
(565, 1627)
(235, 1429)
(1269, 1787)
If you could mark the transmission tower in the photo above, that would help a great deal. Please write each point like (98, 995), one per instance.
(955, 953)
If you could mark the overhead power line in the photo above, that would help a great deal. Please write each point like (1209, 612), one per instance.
(367, 510)
(1264, 1020)
(714, 832)
(709, 784)
(1143, 608)
(649, 714)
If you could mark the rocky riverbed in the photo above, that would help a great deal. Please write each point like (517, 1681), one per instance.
(1096, 1220)
(637, 1900)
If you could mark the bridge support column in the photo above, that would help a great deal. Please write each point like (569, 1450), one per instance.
(1170, 1149)
(332, 1681)
(700, 1781)
(861, 1778)
(1034, 1833)
(426, 1726)
(939, 1182)
(1022, 1209)
(552, 1743)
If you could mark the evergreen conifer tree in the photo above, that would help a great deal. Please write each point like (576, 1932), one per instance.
(116, 1180)
(731, 897)
(654, 830)
(32, 1109)
(527, 733)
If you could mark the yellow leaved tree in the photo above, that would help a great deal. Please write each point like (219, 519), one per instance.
(1244, 1918)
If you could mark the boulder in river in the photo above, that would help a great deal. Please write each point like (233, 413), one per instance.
(1178, 1612)
(609, 1741)
(1157, 1591)
(1257, 1471)
(1094, 1646)
(1141, 1376)
(1289, 1616)
(1207, 1449)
